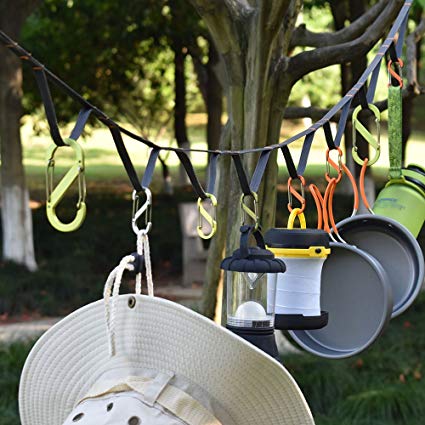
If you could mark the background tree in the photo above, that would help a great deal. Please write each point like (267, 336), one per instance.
(18, 244)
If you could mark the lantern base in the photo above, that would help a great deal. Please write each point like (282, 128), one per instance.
(300, 322)
(262, 338)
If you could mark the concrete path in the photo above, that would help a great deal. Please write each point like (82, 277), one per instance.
(30, 330)
(25, 331)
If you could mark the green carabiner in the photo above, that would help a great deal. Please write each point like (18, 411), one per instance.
(54, 196)
(359, 127)
(211, 220)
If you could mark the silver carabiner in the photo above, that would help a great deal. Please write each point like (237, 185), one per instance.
(145, 209)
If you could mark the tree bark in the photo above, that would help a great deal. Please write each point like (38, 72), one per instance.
(214, 98)
(18, 245)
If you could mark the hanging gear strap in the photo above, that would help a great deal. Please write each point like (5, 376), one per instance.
(125, 158)
(46, 97)
(212, 173)
(150, 168)
(50, 110)
(395, 118)
(190, 171)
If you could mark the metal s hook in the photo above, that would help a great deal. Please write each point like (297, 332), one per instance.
(393, 73)
(293, 193)
(359, 127)
(145, 209)
(54, 196)
(204, 214)
(248, 212)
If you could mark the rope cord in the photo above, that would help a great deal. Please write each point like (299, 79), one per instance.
(113, 283)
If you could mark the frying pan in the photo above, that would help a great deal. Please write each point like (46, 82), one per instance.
(396, 250)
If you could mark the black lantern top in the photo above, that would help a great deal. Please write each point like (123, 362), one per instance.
(254, 259)
(296, 238)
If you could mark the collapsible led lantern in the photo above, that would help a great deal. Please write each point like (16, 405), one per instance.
(297, 296)
(249, 273)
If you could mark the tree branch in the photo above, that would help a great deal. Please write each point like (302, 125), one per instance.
(412, 58)
(276, 11)
(311, 60)
(220, 20)
(303, 37)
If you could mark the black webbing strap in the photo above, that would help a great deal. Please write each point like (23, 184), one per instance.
(394, 59)
(46, 97)
(83, 116)
(292, 170)
(259, 170)
(362, 97)
(150, 168)
(328, 135)
(393, 52)
(184, 159)
(212, 172)
(247, 187)
(243, 180)
(373, 83)
(305, 151)
(342, 123)
(122, 152)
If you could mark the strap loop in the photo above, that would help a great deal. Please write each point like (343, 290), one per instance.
(49, 108)
(125, 158)
(328, 135)
(78, 129)
(150, 168)
(184, 159)
(292, 170)
(395, 118)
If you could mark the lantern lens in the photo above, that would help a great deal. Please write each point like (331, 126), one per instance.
(247, 300)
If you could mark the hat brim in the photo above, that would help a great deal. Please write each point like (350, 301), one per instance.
(253, 388)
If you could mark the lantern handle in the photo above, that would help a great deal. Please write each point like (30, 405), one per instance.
(246, 232)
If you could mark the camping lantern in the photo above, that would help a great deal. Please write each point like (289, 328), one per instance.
(250, 273)
(297, 296)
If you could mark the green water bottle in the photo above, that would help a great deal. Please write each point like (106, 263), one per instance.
(403, 197)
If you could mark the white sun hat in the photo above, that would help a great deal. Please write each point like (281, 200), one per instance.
(154, 362)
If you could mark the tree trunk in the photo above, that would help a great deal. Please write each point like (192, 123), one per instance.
(257, 92)
(214, 100)
(180, 129)
(16, 215)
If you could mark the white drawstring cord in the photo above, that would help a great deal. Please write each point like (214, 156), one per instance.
(143, 248)
(113, 283)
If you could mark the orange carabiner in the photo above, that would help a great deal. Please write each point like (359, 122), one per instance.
(292, 192)
(362, 185)
(394, 74)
